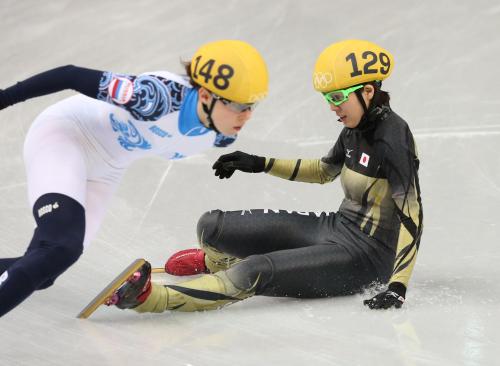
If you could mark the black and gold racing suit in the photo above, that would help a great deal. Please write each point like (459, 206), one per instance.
(378, 166)
(373, 237)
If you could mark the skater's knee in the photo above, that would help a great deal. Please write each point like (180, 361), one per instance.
(60, 220)
(254, 272)
(208, 226)
(58, 239)
(68, 252)
(48, 257)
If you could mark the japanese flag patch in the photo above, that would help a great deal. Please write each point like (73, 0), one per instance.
(121, 90)
(365, 158)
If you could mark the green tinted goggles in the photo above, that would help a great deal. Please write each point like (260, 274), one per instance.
(337, 97)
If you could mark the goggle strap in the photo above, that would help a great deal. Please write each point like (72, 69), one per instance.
(208, 111)
(361, 99)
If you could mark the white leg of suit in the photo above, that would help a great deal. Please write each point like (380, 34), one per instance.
(58, 160)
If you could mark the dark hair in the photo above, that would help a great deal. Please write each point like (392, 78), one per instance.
(187, 68)
(381, 97)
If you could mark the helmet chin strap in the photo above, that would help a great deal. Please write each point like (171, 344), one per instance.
(208, 111)
(367, 110)
(359, 94)
(374, 102)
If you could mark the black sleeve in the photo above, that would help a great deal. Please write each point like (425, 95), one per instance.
(85, 81)
(401, 168)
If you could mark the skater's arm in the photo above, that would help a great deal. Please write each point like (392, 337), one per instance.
(321, 171)
(301, 170)
(85, 81)
(146, 97)
(400, 166)
(311, 171)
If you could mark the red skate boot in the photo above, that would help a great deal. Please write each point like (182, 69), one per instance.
(134, 291)
(187, 262)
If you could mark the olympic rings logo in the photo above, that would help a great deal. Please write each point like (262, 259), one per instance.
(255, 98)
(322, 79)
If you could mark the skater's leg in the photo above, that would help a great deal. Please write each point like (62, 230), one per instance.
(57, 243)
(319, 271)
(98, 196)
(56, 179)
(228, 236)
(208, 292)
(97, 199)
(5, 263)
(247, 232)
(314, 271)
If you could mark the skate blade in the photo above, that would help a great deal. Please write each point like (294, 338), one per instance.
(101, 298)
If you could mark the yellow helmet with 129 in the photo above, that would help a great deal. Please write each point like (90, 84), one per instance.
(351, 62)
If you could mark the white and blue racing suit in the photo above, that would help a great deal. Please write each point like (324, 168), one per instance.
(81, 146)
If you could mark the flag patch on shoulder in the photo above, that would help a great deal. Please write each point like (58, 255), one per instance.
(121, 90)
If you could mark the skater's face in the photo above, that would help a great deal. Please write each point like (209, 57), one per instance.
(229, 118)
(351, 111)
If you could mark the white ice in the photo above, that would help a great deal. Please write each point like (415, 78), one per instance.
(445, 84)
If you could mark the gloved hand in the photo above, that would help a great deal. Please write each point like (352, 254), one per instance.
(226, 164)
(392, 297)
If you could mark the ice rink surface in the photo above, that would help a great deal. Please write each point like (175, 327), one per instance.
(445, 84)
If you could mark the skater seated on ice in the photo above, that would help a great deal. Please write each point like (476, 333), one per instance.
(372, 238)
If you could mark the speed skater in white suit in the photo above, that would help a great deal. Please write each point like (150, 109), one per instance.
(77, 150)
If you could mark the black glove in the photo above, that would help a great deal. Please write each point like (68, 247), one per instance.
(392, 297)
(226, 164)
